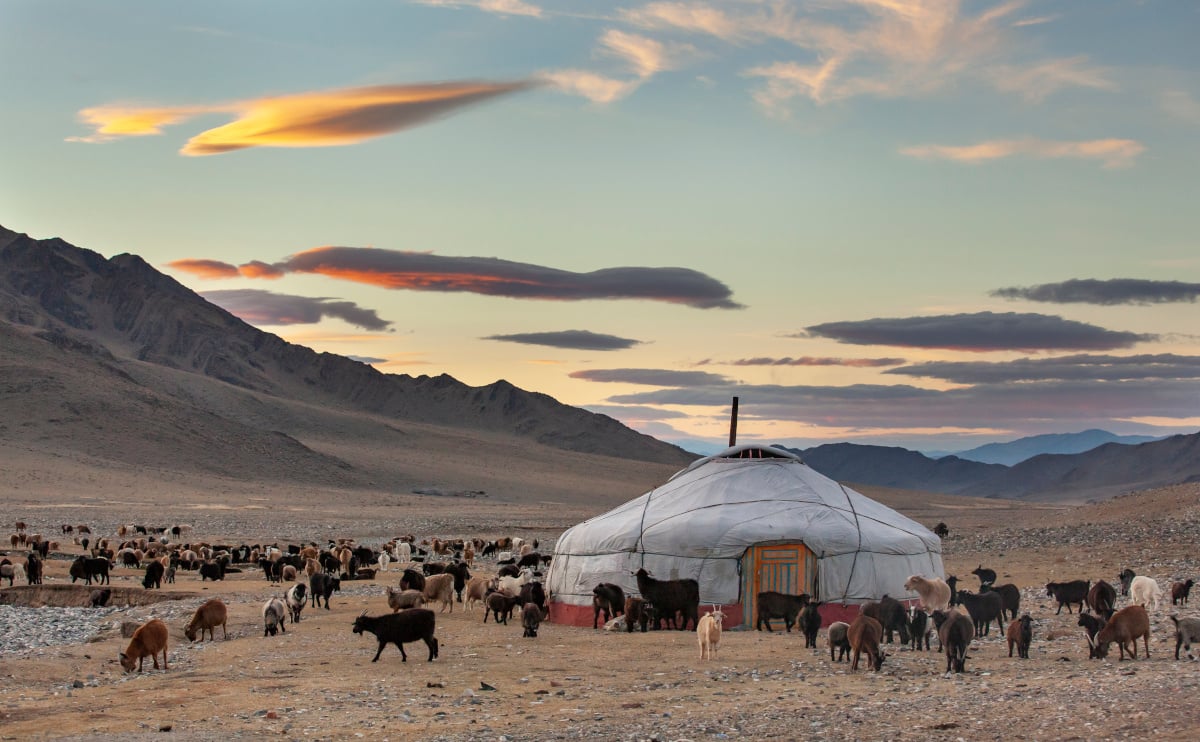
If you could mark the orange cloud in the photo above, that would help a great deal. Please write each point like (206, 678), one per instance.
(116, 121)
(205, 268)
(259, 269)
(1114, 153)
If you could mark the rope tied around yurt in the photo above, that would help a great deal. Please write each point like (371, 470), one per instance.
(858, 528)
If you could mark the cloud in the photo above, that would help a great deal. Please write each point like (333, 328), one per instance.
(1114, 153)
(1181, 105)
(369, 360)
(205, 268)
(651, 377)
(397, 269)
(594, 87)
(499, 7)
(644, 55)
(1105, 292)
(632, 412)
(811, 361)
(1037, 82)
(570, 339)
(1065, 368)
(979, 332)
(260, 307)
(314, 119)
(1036, 20)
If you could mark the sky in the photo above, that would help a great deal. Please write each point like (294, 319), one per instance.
(924, 223)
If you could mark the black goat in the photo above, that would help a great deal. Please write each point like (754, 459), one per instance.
(532, 559)
(433, 568)
(461, 574)
(500, 604)
(986, 576)
(532, 592)
(509, 570)
(1102, 599)
(891, 615)
(86, 569)
(1010, 596)
(637, 612)
(531, 619)
(1092, 625)
(952, 581)
(671, 597)
(409, 625)
(955, 631)
(1125, 578)
(983, 609)
(607, 598)
(99, 598)
(213, 571)
(1067, 593)
(810, 624)
(771, 605)
(321, 585)
(918, 628)
(411, 579)
(941, 530)
(154, 575)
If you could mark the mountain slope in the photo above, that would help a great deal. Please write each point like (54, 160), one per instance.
(1016, 451)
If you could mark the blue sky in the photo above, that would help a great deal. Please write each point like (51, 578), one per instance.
(835, 209)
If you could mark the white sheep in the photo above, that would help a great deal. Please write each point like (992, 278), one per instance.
(403, 552)
(1144, 591)
(708, 633)
(934, 592)
(384, 560)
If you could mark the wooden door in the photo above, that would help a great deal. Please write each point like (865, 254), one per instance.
(783, 568)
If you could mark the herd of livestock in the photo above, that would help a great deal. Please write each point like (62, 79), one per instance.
(435, 571)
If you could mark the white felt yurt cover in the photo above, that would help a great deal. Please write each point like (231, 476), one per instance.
(702, 520)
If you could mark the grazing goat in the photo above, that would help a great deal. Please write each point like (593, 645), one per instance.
(409, 625)
(1180, 592)
(501, 605)
(708, 633)
(1187, 633)
(771, 605)
(934, 592)
(1020, 636)
(211, 614)
(1125, 627)
(607, 598)
(1067, 593)
(983, 609)
(1144, 591)
(865, 635)
(918, 629)
(810, 624)
(1091, 626)
(1102, 599)
(891, 615)
(531, 618)
(274, 615)
(321, 586)
(398, 599)
(638, 611)
(986, 576)
(148, 640)
(296, 600)
(1125, 578)
(955, 631)
(99, 598)
(839, 640)
(671, 597)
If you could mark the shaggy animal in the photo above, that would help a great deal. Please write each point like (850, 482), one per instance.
(839, 640)
(508, 570)
(1010, 598)
(934, 592)
(955, 631)
(1020, 636)
(33, 569)
(952, 583)
(90, 568)
(810, 624)
(296, 600)
(708, 633)
(274, 616)
(983, 609)
(607, 598)
(986, 576)
(409, 625)
(891, 615)
(918, 628)
(433, 568)
(1125, 578)
(532, 559)
(154, 575)
(99, 598)
(1144, 591)
(865, 634)
(440, 588)
(532, 592)
(1102, 599)
(211, 614)
(476, 591)
(1091, 625)
(8, 571)
(1187, 633)
(772, 605)
(384, 560)
(941, 530)
(500, 604)
(290, 573)
(213, 571)
(398, 599)
(321, 586)
(1067, 593)
(149, 639)
(531, 619)
(462, 574)
(1180, 592)
(1124, 628)
(671, 597)
(637, 612)
(411, 579)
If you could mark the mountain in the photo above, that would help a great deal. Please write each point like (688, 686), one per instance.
(1014, 452)
(112, 360)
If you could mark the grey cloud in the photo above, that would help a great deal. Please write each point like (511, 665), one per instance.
(982, 331)
(1105, 292)
(260, 307)
(1067, 368)
(811, 361)
(651, 377)
(632, 412)
(367, 359)
(570, 339)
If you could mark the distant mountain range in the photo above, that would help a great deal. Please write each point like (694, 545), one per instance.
(1014, 452)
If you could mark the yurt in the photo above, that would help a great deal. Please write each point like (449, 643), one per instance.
(747, 520)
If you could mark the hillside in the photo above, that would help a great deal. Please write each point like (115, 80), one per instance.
(1022, 449)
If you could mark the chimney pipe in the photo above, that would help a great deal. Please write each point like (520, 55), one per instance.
(733, 424)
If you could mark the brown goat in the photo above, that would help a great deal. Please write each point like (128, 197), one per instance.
(207, 617)
(864, 635)
(1020, 636)
(440, 588)
(1125, 627)
(149, 639)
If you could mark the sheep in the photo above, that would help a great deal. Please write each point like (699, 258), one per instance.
(955, 631)
(1020, 635)
(274, 612)
(531, 618)
(147, 641)
(918, 628)
(322, 585)
(398, 600)
(934, 592)
(154, 575)
(1180, 592)
(440, 588)
(838, 640)
(891, 615)
(1102, 599)
(771, 604)
(9, 571)
(609, 598)
(501, 605)
(208, 616)
(1125, 578)
(810, 624)
(99, 598)
(384, 560)
(289, 573)
(476, 591)
(1067, 593)
(296, 600)
(639, 612)
(671, 597)
(708, 633)
(1187, 633)
(983, 609)
(408, 625)
(1144, 591)
(1125, 627)
(514, 584)
(986, 576)
(402, 552)
(1092, 625)
(865, 634)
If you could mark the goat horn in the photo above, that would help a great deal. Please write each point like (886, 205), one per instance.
(1091, 641)
(363, 613)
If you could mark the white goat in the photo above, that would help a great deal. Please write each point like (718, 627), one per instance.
(934, 592)
(708, 633)
(384, 560)
(1144, 591)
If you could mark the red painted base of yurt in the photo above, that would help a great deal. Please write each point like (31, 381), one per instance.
(582, 615)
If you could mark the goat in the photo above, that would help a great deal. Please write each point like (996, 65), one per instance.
(323, 585)
(411, 579)
(274, 615)
(398, 628)
(501, 605)
(609, 598)
(1067, 593)
(771, 604)
(891, 615)
(215, 572)
(100, 598)
(1145, 591)
(810, 624)
(952, 583)
(90, 568)
(208, 616)
(531, 618)
(1125, 627)
(865, 634)
(955, 631)
(296, 600)
(398, 599)
(1102, 599)
(1125, 578)
(1010, 598)
(1187, 633)
(1091, 626)
(476, 591)
(983, 609)
(941, 530)
(838, 640)
(934, 592)
(708, 633)
(440, 588)
(1020, 636)
(461, 574)
(532, 592)
(918, 628)
(986, 576)
(671, 597)
(638, 611)
(154, 575)
(1180, 592)
(147, 641)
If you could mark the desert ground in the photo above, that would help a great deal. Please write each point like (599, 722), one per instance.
(317, 681)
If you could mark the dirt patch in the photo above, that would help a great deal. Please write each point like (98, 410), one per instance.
(80, 596)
